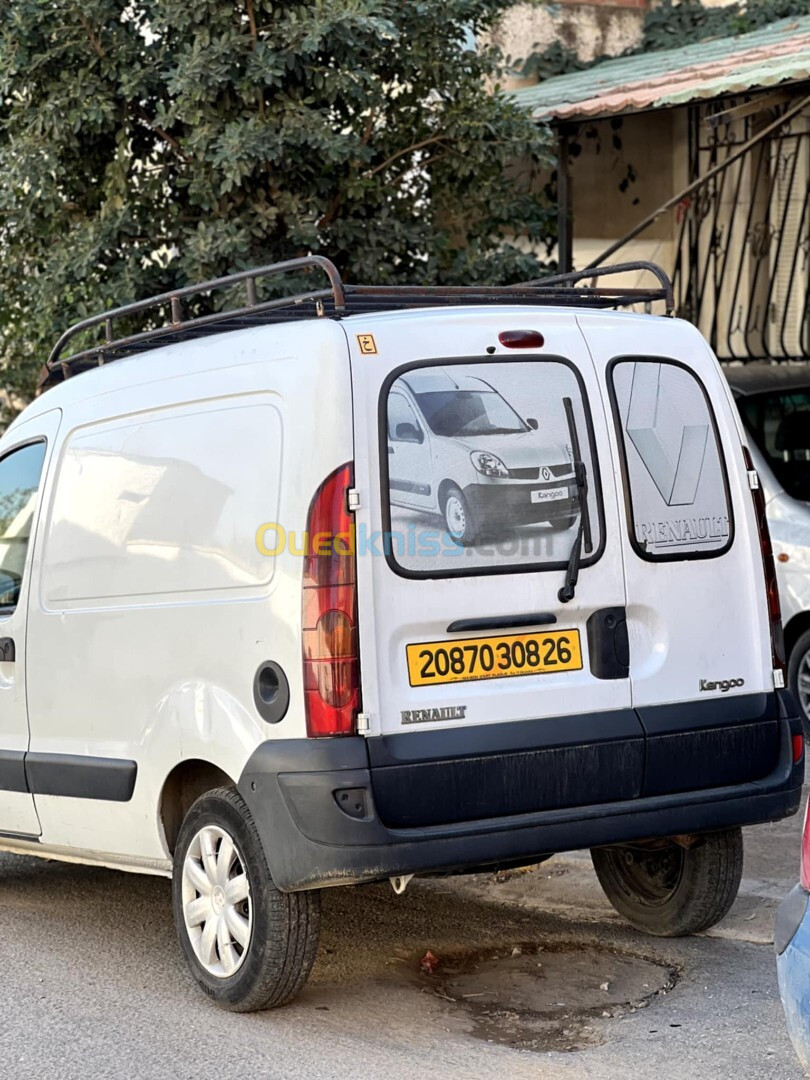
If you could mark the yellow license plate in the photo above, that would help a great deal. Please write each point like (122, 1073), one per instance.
(434, 662)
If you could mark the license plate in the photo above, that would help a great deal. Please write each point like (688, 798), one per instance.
(550, 495)
(433, 662)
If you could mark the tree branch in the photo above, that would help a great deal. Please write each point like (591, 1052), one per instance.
(254, 42)
(164, 135)
(407, 150)
(94, 41)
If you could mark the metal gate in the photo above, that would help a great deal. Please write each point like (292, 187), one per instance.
(742, 269)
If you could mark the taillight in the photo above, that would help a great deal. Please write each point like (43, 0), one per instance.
(769, 567)
(329, 609)
(805, 867)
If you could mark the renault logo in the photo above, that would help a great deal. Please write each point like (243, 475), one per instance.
(546, 472)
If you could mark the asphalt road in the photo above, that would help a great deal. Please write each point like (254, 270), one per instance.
(93, 986)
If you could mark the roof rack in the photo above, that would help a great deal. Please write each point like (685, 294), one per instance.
(170, 323)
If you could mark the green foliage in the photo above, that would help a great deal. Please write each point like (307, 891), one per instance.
(148, 144)
(670, 25)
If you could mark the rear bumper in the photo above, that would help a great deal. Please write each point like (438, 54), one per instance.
(792, 940)
(314, 805)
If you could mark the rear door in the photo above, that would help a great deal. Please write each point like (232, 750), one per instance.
(699, 643)
(485, 694)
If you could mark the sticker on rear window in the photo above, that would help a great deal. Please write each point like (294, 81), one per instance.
(482, 467)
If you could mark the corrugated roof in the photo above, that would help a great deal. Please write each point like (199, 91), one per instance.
(776, 54)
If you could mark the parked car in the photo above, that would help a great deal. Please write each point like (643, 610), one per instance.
(792, 945)
(774, 402)
(224, 660)
(458, 449)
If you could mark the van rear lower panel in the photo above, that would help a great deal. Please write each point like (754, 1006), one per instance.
(336, 811)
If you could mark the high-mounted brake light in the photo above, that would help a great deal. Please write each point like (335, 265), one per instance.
(769, 568)
(521, 339)
(329, 608)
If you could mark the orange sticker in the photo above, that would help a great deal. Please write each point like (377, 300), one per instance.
(366, 344)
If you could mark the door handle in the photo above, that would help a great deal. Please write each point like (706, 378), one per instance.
(390, 449)
(7, 650)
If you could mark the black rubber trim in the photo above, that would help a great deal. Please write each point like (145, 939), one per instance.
(503, 622)
(411, 487)
(12, 770)
(685, 716)
(75, 776)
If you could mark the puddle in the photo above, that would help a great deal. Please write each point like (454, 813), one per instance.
(547, 997)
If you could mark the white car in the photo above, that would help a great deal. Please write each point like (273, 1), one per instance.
(458, 449)
(229, 657)
(774, 402)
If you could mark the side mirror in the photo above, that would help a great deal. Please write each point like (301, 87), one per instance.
(408, 433)
(530, 420)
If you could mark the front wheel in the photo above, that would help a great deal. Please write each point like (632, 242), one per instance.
(248, 945)
(799, 678)
(458, 517)
(672, 890)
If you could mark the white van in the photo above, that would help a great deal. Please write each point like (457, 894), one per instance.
(232, 655)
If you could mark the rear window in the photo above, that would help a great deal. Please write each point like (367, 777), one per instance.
(674, 475)
(480, 467)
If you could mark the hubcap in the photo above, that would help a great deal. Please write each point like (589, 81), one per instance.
(454, 516)
(803, 683)
(217, 906)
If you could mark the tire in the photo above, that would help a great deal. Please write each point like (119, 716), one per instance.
(458, 518)
(280, 930)
(672, 891)
(799, 678)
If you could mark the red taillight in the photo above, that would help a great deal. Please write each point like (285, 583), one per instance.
(805, 867)
(329, 610)
(769, 567)
(798, 748)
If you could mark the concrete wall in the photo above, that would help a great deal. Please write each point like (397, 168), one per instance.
(590, 29)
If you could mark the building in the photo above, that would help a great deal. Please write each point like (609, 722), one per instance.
(697, 158)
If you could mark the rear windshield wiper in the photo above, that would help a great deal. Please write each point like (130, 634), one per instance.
(583, 537)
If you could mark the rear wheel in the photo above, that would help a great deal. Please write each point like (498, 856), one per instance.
(249, 946)
(799, 678)
(671, 890)
(458, 518)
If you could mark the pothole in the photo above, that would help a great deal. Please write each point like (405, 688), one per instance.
(546, 997)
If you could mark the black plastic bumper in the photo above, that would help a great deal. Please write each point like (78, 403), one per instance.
(314, 806)
(511, 503)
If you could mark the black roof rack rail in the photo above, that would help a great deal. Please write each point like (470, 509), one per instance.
(334, 300)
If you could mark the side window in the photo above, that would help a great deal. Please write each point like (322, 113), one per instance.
(19, 482)
(676, 482)
(402, 423)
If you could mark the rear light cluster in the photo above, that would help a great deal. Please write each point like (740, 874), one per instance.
(329, 608)
(769, 567)
(805, 867)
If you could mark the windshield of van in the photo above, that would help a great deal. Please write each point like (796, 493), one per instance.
(779, 424)
(469, 412)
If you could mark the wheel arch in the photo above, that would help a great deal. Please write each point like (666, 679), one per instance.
(182, 787)
(794, 629)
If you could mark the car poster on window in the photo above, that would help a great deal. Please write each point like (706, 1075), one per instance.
(675, 475)
(481, 466)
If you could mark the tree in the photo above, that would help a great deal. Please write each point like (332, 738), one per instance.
(148, 144)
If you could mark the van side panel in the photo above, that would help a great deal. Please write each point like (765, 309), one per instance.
(168, 573)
